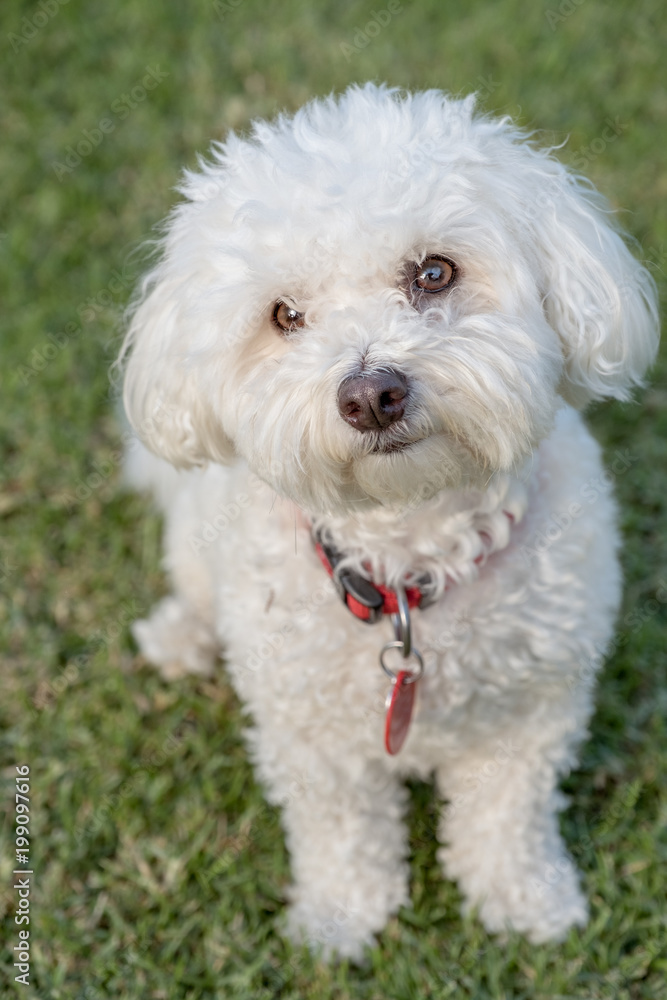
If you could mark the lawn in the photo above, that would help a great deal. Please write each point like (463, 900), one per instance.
(159, 872)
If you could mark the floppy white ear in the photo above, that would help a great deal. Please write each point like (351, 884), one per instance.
(601, 302)
(164, 377)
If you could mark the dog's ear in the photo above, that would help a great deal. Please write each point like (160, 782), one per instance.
(166, 378)
(598, 298)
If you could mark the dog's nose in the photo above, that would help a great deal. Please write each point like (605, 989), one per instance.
(371, 402)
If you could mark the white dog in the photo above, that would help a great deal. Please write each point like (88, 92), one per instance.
(366, 343)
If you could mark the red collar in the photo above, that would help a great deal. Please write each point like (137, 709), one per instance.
(369, 601)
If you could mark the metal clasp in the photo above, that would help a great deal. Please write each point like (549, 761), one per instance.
(403, 640)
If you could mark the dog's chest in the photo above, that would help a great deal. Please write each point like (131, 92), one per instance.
(307, 652)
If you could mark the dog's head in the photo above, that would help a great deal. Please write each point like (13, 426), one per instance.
(379, 298)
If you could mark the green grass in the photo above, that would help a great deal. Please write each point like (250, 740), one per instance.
(159, 870)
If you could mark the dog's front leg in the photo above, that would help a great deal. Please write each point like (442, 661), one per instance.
(343, 818)
(499, 827)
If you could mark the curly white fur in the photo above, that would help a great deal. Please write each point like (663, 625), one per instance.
(328, 211)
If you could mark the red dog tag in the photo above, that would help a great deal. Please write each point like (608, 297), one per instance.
(400, 702)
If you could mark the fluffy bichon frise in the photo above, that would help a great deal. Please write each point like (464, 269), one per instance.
(360, 363)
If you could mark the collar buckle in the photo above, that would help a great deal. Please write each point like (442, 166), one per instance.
(363, 591)
(350, 584)
(368, 602)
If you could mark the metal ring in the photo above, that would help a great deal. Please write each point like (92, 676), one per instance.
(401, 622)
(397, 644)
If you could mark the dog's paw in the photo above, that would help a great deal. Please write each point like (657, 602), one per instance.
(175, 641)
(338, 935)
(543, 907)
(558, 904)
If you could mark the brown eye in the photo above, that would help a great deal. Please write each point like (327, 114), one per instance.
(286, 317)
(434, 274)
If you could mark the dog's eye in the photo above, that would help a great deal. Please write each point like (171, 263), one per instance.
(434, 274)
(286, 318)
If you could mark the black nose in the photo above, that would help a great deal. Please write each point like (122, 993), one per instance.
(371, 402)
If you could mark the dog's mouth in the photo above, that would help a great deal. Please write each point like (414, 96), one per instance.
(389, 447)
